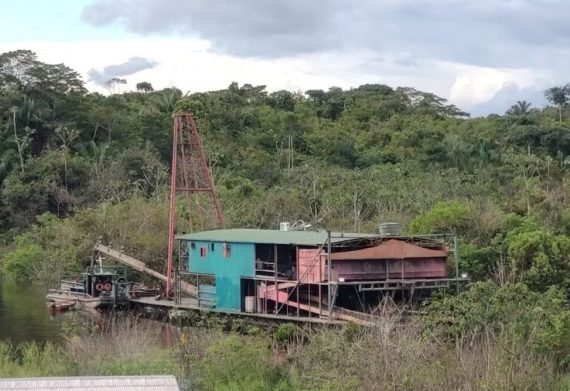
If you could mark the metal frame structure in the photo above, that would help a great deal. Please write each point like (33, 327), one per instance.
(304, 299)
(190, 174)
(392, 285)
(388, 285)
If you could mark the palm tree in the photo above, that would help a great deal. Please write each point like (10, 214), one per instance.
(522, 107)
(166, 100)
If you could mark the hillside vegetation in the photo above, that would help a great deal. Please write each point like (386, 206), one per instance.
(76, 166)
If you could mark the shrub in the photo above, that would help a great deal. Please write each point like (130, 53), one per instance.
(538, 320)
(21, 263)
(444, 217)
(240, 363)
(285, 332)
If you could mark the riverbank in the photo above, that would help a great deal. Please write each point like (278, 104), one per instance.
(490, 337)
(393, 355)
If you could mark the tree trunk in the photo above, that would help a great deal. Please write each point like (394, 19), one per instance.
(527, 188)
(95, 132)
(65, 167)
(290, 158)
(356, 209)
(18, 144)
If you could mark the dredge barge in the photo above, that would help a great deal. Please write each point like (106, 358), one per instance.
(308, 276)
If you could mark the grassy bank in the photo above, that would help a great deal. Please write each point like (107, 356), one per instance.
(132, 349)
(395, 355)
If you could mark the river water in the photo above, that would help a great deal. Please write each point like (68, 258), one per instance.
(24, 317)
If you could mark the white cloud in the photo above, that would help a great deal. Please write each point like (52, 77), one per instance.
(191, 65)
(474, 85)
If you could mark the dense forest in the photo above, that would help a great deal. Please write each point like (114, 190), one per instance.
(76, 166)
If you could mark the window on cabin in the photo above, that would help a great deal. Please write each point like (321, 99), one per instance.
(227, 250)
(192, 245)
(211, 246)
(203, 252)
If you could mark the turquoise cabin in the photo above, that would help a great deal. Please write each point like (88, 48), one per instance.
(232, 255)
(228, 263)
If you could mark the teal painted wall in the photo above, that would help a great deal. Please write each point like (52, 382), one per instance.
(228, 271)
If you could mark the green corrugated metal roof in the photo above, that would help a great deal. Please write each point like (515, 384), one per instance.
(268, 236)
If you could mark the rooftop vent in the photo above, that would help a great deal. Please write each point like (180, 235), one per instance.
(390, 229)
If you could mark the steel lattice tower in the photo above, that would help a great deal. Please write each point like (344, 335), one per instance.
(190, 175)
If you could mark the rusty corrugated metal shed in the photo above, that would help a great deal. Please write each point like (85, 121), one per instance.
(391, 249)
(92, 383)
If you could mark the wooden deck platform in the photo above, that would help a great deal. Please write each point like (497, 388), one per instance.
(192, 305)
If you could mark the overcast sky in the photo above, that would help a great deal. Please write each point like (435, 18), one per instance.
(483, 55)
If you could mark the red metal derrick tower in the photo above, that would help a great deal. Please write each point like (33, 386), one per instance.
(190, 175)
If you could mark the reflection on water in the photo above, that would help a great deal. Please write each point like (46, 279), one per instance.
(24, 317)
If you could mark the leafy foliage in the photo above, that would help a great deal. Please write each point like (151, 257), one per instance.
(541, 257)
(234, 363)
(539, 319)
(451, 216)
(20, 263)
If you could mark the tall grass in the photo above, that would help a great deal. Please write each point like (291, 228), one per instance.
(408, 357)
(397, 354)
(33, 359)
(133, 348)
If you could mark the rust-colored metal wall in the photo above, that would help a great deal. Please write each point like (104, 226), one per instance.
(392, 259)
(351, 270)
(311, 265)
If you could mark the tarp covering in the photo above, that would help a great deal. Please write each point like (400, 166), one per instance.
(391, 249)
